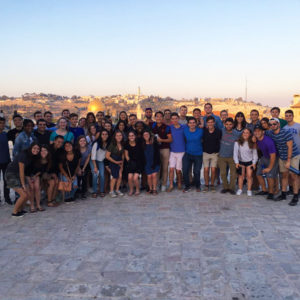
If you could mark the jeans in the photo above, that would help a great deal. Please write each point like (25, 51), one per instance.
(82, 182)
(189, 160)
(100, 166)
(224, 163)
(71, 194)
(6, 189)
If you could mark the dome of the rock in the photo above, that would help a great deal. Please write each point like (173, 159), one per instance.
(95, 106)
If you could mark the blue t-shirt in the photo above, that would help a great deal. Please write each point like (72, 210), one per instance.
(280, 141)
(218, 121)
(193, 141)
(178, 143)
(227, 143)
(4, 150)
(77, 131)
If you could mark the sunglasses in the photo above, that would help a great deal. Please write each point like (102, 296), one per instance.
(273, 124)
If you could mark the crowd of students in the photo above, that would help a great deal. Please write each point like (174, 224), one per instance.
(166, 150)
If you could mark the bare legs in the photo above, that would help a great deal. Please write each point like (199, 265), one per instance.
(133, 181)
(152, 182)
(21, 201)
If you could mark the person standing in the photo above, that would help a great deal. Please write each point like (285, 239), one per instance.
(292, 127)
(198, 117)
(182, 115)
(193, 154)
(223, 116)
(167, 117)
(239, 123)
(225, 159)
(254, 117)
(42, 135)
(177, 148)
(62, 129)
(267, 165)
(164, 138)
(289, 156)
(245, 158)
(148, 117)
(275, 112)
(211, 147)
(13, 133)
(4, 159)
(48, 117)
(209, 112)
(77, 131)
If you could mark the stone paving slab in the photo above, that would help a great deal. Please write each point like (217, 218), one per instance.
(173, 246)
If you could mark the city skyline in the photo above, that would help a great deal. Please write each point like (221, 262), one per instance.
(178, 49)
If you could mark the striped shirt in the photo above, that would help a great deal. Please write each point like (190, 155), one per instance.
(280, 141)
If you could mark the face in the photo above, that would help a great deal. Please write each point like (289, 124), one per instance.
(18, 122)
(148, 114)
(48, 118)
(82, 122)
(82, 142)
(123, 116)
(274, 125)
(44, 152)
(38, 116)
(246, 134)
(192, 124)
(239, 118)
(146, 136)
(121, 126)
(208, 109)
(35, 150)
(99, 116)
(2, 125)
(174, 120)
(28, 128)
(131, 137)
(265, 124)
(228, 126)
(66, 114)
(58, 143)
(210, 124)
(197, 114)
(139, 127)
(119, 137)
(167, 115)
(258, 133)
(183, 111)
(275, 113)
(68, 147)
(104, 136)
(254, 116)
(62, 124)
(41, 126)
(159, 118)
(103, 122)
(132, 120)
(289, 117)
(108, 126)
(90, 119)
(224, 115)
(74, 121)
(93, 130)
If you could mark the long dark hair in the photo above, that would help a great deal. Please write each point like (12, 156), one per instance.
(113, 141)
(99, 141)
(48, 157)
(126, 120)
(235, 123)
(29, 150)
(87, 118)
(241, 140)
(121, 122)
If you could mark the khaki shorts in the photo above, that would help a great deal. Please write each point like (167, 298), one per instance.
(210, 160)
(294, 163)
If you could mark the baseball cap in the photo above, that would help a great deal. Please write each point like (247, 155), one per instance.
(258, 127)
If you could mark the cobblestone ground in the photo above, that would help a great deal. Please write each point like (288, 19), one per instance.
(173, 246)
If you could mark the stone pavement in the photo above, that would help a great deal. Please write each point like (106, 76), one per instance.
(173, 246)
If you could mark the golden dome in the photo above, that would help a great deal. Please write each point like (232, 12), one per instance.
(96, 105)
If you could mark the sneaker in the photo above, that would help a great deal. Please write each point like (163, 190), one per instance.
(224, 191)
(113, 194)
(206, 189)
(249, 193)
(231, 192)
(239, 192)
(281, 197)
(186, 190)
(18, 214)
(261, 193)
(83, 196)
(270, 196)
(8, 201)
(294, 201)
(119, 193)
(163, 188)
(24, 212)
(212, 188)
(69, 200)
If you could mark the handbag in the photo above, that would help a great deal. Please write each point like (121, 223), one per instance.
(63, 185)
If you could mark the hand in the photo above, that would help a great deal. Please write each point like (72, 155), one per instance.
(237, 165)
(159, 140)
(120, 162)
(73, 178)
(266, 170)
(69, 179)
(253, 139)
(253, 166)
(287, 164)
(96, 170)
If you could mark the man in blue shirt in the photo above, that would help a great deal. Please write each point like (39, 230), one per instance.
(77, 131)
(209, 112)
(4, 158)
(193, 154)
(289, 156)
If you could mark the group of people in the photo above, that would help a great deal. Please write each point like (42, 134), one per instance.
(166, 150)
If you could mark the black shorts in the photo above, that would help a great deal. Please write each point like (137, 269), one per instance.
(245, 163)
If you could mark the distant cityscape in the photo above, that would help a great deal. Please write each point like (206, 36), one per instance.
(28, 103)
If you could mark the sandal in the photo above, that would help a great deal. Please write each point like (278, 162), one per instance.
(40, 209)
(170, 189)
(52, 203)
(102, 195)
(33, 210)
(94, 195)
(154, 192)
(136, 193)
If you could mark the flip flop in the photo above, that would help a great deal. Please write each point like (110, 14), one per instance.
(33, 211)
(41, 209)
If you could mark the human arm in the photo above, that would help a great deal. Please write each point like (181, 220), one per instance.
(271, 163)
(126, 155)
(109, 158)
(22, 175)
(236, 154)
(167, 140)
(63, 172)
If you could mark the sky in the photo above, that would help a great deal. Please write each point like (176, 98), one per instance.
(181, 49)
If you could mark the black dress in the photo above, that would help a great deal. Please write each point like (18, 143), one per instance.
(136, 158)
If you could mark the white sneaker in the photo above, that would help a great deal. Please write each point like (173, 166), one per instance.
(239, 192)
(249, 193)
(163, 188)
(113, 194)
(119, 193)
